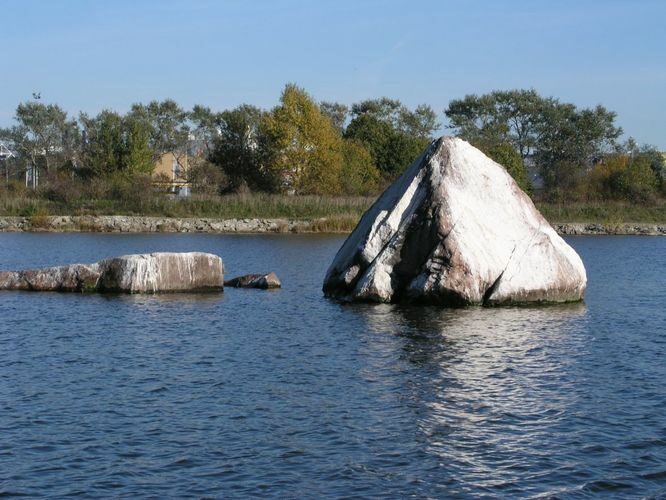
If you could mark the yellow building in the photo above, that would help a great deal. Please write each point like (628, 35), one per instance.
(171, 174)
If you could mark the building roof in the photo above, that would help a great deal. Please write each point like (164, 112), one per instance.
(5, 152)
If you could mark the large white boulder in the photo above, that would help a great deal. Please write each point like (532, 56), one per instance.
(455, 229)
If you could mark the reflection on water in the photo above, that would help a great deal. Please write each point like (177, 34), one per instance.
(491, 390)
(156, 302)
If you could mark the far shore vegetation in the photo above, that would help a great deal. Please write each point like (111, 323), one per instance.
(305, 159)
(342, 212)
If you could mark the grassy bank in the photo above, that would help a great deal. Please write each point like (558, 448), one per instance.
(607, 212)
(223, 207)
(341, 213)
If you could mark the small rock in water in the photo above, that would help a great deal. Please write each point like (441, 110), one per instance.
(455, 229)
(263, 281)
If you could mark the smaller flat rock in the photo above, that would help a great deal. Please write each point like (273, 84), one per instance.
(143, 273)
(162, 272)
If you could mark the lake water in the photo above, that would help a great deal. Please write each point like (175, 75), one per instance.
(287, 394)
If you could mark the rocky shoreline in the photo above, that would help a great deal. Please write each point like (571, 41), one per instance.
(141, 224)
(621, 228)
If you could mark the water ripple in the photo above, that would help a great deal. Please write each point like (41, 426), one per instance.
(291, 395)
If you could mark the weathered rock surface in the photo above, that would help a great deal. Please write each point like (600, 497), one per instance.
(455, 229)
(142, 273)
(73, 278)
(264, 281)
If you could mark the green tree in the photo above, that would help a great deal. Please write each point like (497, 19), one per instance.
(393, 134)
(514, 117)
(207, 178)
(44, 136)
(206, 128)
(418, 124)
(392, 150)
(637, 182)
(301, 146)
(103, 143)
(115, 145)
(383, 109)
(562, 139)
(137, 155)
(477, 120)
(578, 136)
(631, 173)
(167, 124)
(657, 162)
(598, 181)
(359, 176)
(335, 112)
(375, 135)
(575, 139)
(237, 150)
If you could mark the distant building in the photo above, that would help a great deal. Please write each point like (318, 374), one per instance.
(5, 152)
(171, 174)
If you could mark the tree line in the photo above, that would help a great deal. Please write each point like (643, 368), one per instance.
(302, 146)
(575, 152)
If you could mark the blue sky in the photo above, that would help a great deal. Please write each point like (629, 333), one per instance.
(90, 55)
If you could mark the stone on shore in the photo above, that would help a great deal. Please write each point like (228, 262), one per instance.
(455, 229)
(263, 281)
(142, 273)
